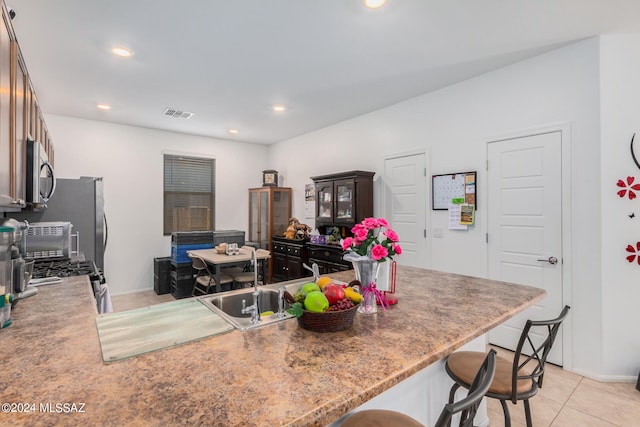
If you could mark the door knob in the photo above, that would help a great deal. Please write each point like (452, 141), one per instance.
(551, 260)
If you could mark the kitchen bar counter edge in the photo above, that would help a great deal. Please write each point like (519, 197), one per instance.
(275, 375)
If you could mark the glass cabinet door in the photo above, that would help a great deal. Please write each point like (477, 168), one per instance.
(269, 213)
(263, 229)
(324, 202)
(254, 207)
(259, 217)
(345, 193)
(281, 211)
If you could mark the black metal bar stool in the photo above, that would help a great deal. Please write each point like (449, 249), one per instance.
(466, 407)
(514, 380)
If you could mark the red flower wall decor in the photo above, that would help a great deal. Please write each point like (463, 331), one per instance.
(634, 253)
(628, 186)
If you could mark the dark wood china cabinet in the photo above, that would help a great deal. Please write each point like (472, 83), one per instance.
(342, 200)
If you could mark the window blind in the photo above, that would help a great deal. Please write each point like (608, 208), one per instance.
(189, 193)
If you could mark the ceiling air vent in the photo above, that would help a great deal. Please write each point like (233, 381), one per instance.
(178, 114)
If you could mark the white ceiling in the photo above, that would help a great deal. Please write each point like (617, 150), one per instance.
(229, 61)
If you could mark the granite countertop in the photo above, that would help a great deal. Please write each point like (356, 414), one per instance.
(276, 375)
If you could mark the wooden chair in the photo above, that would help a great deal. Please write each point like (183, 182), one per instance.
(514, 380)
(467, 407)
(205, 280)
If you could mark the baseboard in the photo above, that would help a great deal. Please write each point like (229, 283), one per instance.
(132, 291)
(606, 378)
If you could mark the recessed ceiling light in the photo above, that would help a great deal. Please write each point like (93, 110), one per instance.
(104, 106)
(121, 51)
(233, 131)
(374, 4)
(279, 108)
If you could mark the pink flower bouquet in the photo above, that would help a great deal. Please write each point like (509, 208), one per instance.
(373, 238)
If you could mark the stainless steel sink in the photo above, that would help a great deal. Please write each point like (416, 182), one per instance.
(229, 307)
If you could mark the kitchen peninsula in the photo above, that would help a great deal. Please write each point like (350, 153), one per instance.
(275, 375)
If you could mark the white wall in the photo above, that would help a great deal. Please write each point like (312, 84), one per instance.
(620, 70)
(453, 126)
(130, 159)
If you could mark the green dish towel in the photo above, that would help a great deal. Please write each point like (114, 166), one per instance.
(143, 330)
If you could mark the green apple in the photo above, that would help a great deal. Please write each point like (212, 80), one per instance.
(316, 302)
(310, 287)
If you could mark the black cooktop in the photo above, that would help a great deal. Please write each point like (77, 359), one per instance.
(65, 268)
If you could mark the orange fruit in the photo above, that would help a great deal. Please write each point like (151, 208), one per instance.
(323, 281)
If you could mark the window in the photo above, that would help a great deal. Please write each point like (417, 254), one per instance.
(189, 193)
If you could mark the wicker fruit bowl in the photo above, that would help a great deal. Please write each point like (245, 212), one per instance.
(328, 321)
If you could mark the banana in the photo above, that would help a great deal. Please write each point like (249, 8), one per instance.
(355, 297)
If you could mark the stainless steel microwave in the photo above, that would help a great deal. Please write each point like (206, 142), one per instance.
(41, 180)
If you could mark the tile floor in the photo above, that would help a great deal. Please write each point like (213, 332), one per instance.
(138, 299)
(565, 400)
(571, 400)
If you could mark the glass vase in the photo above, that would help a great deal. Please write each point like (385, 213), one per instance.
(367, 274)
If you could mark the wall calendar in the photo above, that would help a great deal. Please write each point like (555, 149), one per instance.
(453, 188)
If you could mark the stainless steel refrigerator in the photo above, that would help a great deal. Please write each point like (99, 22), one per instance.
(81, 202)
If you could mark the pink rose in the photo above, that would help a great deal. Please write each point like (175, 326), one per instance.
(397, 249)
(370, 223)
(378, 252)
(357, 227)
(383, 223)
(346, 243)
(392, 235)
(361, 234)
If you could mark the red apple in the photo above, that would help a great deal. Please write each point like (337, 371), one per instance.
(334, 293)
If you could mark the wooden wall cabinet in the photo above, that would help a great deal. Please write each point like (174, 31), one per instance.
(8, 197)
(269, 213)
(343, 199)
(19, 108)
(20, 118)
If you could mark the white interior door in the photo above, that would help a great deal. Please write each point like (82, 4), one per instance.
(525, 226)
(405, 205)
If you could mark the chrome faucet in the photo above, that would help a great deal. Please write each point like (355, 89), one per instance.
(281, 312)
(253, 309)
